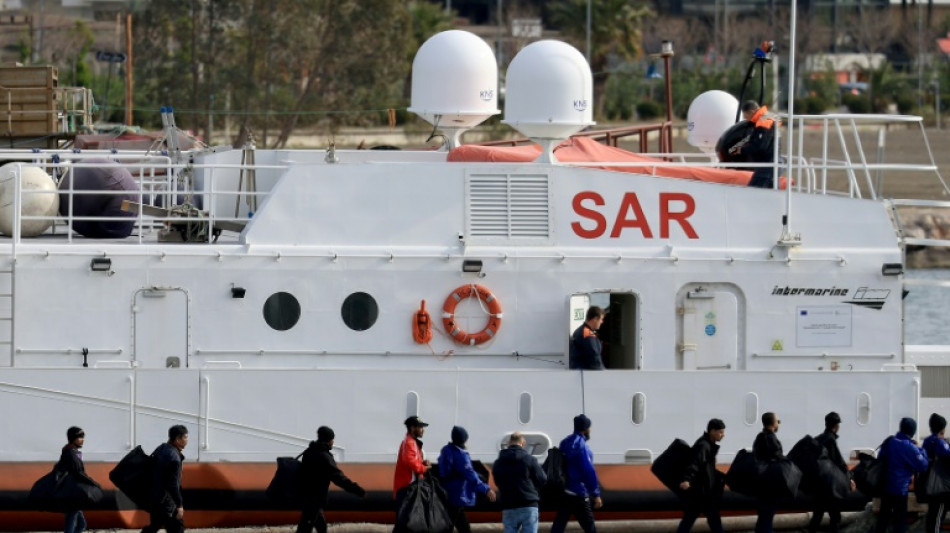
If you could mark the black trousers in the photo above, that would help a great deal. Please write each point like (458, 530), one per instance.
(695, 505)
(162, 520)
(580, 508)
(400, 497)
(893, 508)
(459, 520)
(822, 506)
(310, 518)
(936, 512)
(766, 515)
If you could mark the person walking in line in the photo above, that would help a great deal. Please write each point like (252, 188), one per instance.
(828, 504)
(460, 480)
(902, 458)
(767, 448)
(70, 461)
(519, 479)
(585, 348)
(317, 471)
(936, 446)
(167, 509)
(702, 488)
(410, 462)
(582, 494)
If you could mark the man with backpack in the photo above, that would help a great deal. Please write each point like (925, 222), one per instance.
(582, 494)
(519, 479)
(317, 470)
(460, 479)
(703, 483)
(70, 461)
(902, 459)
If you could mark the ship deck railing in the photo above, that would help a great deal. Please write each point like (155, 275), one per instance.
(840, 168)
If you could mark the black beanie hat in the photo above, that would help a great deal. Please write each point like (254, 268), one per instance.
(459, 436)
(74, 433)
(581, 423)
(832, 419)
(937, 423)
(908, 426)
(325, 434)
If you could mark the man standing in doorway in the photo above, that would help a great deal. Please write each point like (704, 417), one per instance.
(704, 483)
(582, 494)
(585, 352)
(168, 510)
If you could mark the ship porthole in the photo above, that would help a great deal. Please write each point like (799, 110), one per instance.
(281, 311)
(359, 311)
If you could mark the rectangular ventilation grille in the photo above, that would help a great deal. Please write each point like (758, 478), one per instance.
(509, 206)
(934, 381)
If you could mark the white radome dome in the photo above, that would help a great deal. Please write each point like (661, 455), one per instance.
(710, 115)
(454, 82)
(33, 180)
(549, 91)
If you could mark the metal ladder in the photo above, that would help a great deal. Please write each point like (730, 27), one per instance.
(6, 314)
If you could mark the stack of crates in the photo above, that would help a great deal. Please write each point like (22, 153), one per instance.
(28, 100)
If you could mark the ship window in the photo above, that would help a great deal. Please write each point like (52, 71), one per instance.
(934, 381)
(638, 411)
(524, 408)
(281, 311)
(360, 311)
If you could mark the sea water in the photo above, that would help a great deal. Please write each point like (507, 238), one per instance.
(927, 309)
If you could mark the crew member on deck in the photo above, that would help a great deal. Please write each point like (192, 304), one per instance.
(761, 145)
(585, 349)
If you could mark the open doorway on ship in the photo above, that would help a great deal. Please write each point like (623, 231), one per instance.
(620, 332)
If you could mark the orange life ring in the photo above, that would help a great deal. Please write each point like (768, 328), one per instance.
(494, 315)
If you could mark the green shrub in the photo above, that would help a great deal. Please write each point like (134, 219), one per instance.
(905, 103)
(856, 103)
(648, 109)
(810, 105)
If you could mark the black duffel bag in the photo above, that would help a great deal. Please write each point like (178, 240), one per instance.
(832, 481)
(935, 482)
(869, 475)
(133, 476)
(61, 491)
(423, 509)
(781, 479)
(805, 454)
(670, 466)
(285, 486)
(743, 474)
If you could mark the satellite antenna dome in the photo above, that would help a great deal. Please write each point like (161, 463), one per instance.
(710, 115)
(454, 82)
(548, 94)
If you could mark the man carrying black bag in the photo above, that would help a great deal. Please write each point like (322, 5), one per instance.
(166, 510)
(704, 483)
(767, 448)
(70, 461)
(936, 446)
(318, 470)
(902, 459)
(827, 503)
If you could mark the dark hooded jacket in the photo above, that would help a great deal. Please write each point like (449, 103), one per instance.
(166, 478)
(519, 478)
(319, 469)
(70, 461)
(828, 441)
(704, 479)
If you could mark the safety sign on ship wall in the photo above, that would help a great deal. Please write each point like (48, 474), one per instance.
(823, 326)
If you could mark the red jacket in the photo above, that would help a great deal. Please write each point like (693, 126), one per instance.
(408, 464)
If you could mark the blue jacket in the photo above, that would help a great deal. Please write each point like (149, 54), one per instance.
(166, 479)
(935, 446)
(903, 459)
(458, 477)
(581, 476)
